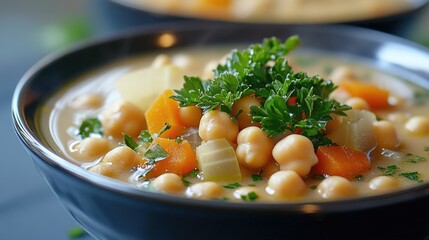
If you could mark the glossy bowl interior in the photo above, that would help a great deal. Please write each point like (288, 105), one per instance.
(110, 209)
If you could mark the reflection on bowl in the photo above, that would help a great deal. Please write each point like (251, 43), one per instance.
(110, 209)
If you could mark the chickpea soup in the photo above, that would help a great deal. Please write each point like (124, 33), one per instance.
(249, 125)
(279, 11)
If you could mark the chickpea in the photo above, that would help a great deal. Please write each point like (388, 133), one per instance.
(254, 147)
(286, 185)
(205, 190)
(92, 148)
(243, 105)
(216, 124)
(383, 184)
(340, 74)
(357, 103)
(336, 187)
(87, 101)
(123, 117)
(168, 182)
(243, 193)
(295, 152)
(386, 135)
(118, 162)
(418, 125)
(190, 116)
(161, 60)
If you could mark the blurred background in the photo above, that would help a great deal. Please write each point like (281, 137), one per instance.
(30, 30)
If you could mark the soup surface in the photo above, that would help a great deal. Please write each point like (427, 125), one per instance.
(296, 138)
(292, 11)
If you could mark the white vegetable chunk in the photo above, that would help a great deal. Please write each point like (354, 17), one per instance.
(217, 161)
(356, 131)
(142, 86)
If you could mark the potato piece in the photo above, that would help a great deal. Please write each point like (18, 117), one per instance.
(356, 131)
(142, 86)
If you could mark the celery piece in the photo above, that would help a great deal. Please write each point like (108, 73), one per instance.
(217, 161)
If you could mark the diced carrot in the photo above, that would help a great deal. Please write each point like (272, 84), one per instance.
(376, 97)
(164, 110)
(181, 158)
(340, 161)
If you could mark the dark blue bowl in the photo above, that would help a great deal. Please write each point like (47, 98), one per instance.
(110, 209)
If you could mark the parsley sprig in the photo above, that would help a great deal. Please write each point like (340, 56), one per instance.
(151, 152)
(90, 126)
(289, 101)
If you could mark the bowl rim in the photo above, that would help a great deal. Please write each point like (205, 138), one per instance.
(139, 6)
(34, 144)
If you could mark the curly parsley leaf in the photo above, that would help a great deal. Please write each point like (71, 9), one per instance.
(90, 126)
(290, 101)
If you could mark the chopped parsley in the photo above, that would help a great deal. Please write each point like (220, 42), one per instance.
(194, 173)
(151, 152)
(256, 177)
(263, 71)
(389, 170)
(130, 142)
(90, 126)
(411, 158)
(76, 232)
(251, 196)
(359, 178)
(415, 176)
(313, 187)
(232, 185)
(318, 176)
(186, 182)
(394, 170)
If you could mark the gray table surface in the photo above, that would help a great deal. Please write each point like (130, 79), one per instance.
(30, 30)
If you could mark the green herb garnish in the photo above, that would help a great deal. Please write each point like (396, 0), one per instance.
(232, 185)
(256, 177)
(251, 196)
(155, 154)
(90, 126)
(194, 173)
(389, 170)
(290, 101)
(130, 142)
(359, 178)
(186, 182)
(76, 232)
(411, 158)
(415, 176)
(318, 176)
(394, 170)
(313, 187)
